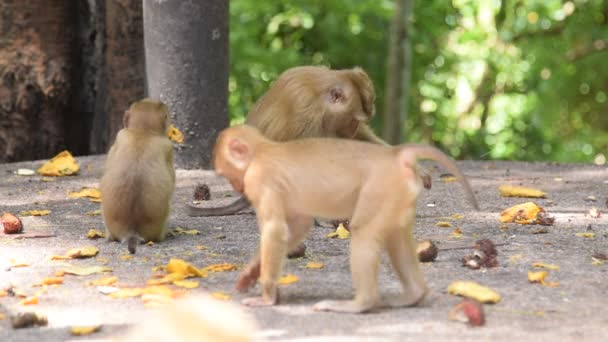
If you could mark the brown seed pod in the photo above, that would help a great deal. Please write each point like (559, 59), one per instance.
(11, 223)
(427, 251)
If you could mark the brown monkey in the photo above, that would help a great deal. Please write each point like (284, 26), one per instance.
(290, 183)
(311, 102)
(139, 178)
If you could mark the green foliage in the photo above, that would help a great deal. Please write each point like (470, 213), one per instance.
(490, 79)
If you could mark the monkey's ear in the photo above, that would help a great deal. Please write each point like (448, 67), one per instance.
(238, 152)
(125, 119)
(366, 89)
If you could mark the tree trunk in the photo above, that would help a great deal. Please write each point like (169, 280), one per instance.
(398, 73)
(186, 45)
(121, 77)
(36, 60)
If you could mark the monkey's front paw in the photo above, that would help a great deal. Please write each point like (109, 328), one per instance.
(349, 306)
(245, 282)
(257, 301)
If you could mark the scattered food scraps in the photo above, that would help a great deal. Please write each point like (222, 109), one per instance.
(427, 251)
(526, 213)
(182, 267)
(202, 192)
(288, 279)
(520, 191)
(104, 281)
(188, 284)
(340, 233)
(25, 172)
(35, 212)
(484, 255)
(443, 224)
(539, 277)
(225, 267)
(95, 234)
(456, 233)
(83, 271)
(78, 253)
(84, 330)
(468, 311)
(473, 290)
(90, 193)
(175, 135)
(11, 224)
(220, 296)
(543, 265)
(50, 281)
(28, 319)
(63, 164)
(595, 212)
(31, 300)
(17, 263)
(314, 265)
(588, 235)
(182, 231)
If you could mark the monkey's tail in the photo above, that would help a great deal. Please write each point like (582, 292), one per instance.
(410, 153)
(230, 209)
(132, 242)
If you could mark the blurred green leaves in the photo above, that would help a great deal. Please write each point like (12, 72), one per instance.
(491, 79)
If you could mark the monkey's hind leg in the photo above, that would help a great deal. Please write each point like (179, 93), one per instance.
(402, 253)
(365, 251)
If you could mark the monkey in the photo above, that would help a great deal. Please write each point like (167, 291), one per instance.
(309, 102)
(139, 178)
(194, 318)
(290, 183)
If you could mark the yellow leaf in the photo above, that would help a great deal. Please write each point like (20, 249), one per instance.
(288, 279)
(225, 267)
(94, 212)
(167, 279)
(95, 234)
(175, 134)
(84, 330)
(86, 192)
(457, 216)
(520, 191)
(180, 266)
(473, 290)
(588, 235)
(188, 284)
(456, 233)
(105, 281)
(50, 281)
(32, 300)
(35, 212)
(543, 265)
(62, 164)
(315, 265)
(82, 271)
(443, 224)
(83, 252)
(220, 296)
(526, 213)
(340, 233)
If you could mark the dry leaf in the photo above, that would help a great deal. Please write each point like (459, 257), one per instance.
(188, 284)
(62, 164)
(35, 212)
(86, 192)
(95, 234)
(473, 290)
(220, 296)
(588, 235)
(443, 224)
(175, 134)
(82, 252)
(315, 265)
(84, 330)
(180, 266)
(543, 265)
(82, 271)
(288, 279)
(340, 233)
(520, 191)
(225, 267)
(104, 281)
(32, 300)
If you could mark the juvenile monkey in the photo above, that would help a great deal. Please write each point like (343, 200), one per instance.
(311, 102)
(139, 178)
(290, 183)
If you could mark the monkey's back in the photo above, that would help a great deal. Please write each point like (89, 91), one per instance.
(137, 183)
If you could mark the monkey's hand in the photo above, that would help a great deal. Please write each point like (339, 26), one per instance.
(248, 277)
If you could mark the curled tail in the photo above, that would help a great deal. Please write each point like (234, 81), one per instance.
(132, 242)
(410, 153)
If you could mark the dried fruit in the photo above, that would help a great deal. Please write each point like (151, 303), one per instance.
(95, 234)
(11, 223)
(91, 193)
(520, 191)
(473, 290)
(539, 277)
(28, 319)
(202, 192)
(427, 251)
(470, 311)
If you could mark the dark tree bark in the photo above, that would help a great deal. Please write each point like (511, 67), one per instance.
(121, 75)
(36, 57)
(398, 73)
(186, 44)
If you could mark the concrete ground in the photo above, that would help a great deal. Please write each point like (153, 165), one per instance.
(575, 310)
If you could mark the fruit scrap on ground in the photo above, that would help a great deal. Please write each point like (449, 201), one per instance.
(473, 290)
(484, 255)
(526, 213)
(11, 224)
(520, 191)
(468, 311)
(427, 251)
(62, 164)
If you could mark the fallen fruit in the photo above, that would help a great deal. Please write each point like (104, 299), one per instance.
(427, 251)
(84, 330)
(470, 311)
(520, 191)
(473, 290)
(11, 223)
